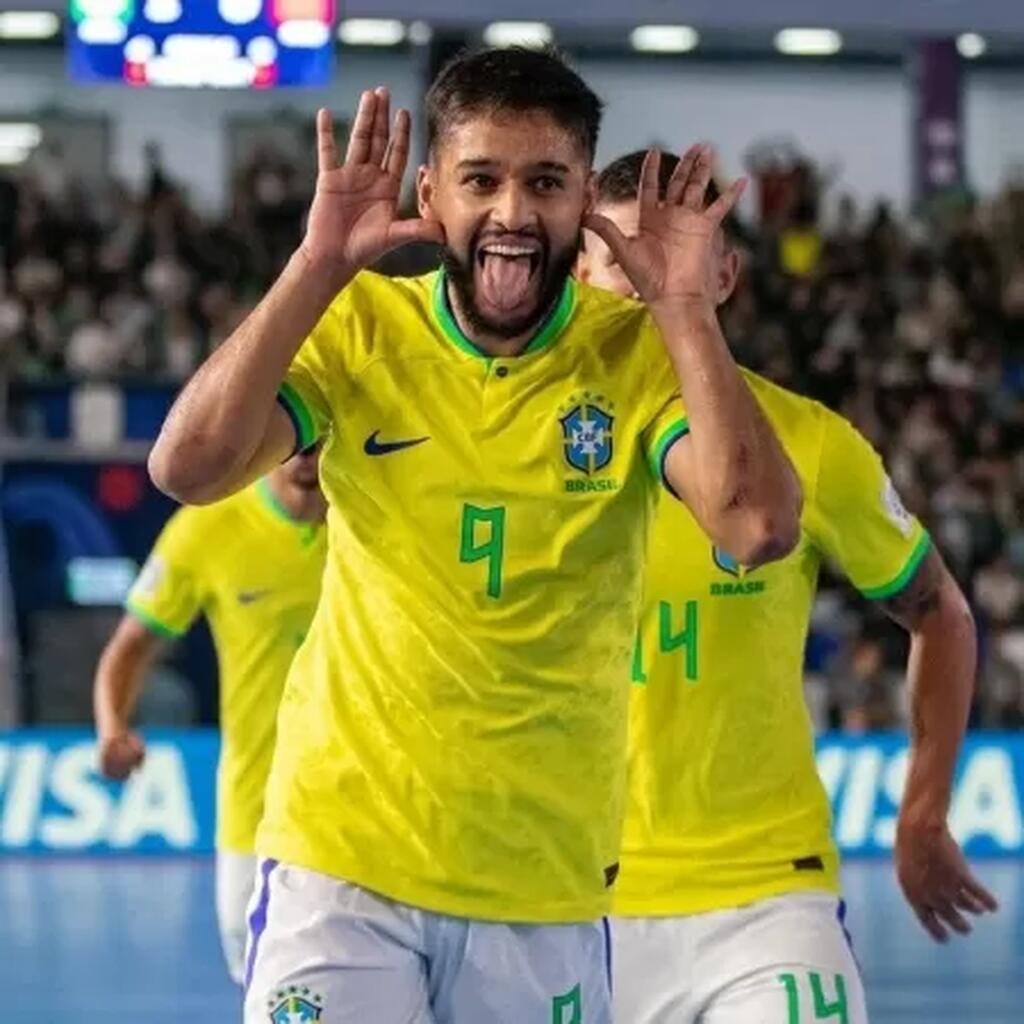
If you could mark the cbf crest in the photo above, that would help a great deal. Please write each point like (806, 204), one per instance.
(294, 1005)
(725, 561)
(587, 432)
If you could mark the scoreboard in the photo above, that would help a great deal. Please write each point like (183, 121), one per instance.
(242, 44)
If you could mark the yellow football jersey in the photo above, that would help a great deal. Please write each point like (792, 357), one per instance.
(725, 805)
(255, 573)
(452, 734)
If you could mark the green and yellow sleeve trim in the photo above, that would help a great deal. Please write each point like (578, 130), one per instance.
(906, 574)
(663, 445)
(298, 412)
(151, 622)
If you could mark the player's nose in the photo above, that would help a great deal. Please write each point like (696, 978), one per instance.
(512, 208)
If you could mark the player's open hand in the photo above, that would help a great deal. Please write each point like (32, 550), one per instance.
(354, 217)
(669, 260)
(120, 754)
(937, 881)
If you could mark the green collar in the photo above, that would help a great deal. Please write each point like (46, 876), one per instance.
(271, 502)
(555, 323)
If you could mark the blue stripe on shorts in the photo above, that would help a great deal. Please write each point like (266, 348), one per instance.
(258, 918)
(607, 950)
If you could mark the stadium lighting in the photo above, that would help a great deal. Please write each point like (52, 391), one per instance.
(20, 135)
(808, 42)
(28, 24)
(13, 156)
(371, 32)
(534, 34)
(664, 38)
(17, 140)
(420, 33)
(970, 45)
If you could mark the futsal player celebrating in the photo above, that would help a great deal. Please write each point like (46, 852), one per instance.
(727, 903)
(444, 808)
(252, 565)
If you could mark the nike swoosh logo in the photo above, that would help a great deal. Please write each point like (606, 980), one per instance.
(374, 447)
(249, 596)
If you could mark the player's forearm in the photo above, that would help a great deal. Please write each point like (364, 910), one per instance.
(215, 428)
(940, 677)
(748, 494)
(119, 676)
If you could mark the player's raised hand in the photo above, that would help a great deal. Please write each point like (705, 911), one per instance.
(669, 258)
(937, 881)
(354, 217)
(120, 754)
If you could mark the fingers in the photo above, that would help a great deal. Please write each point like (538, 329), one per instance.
(648, 197)
(680, 176)
(381, 124)
(966, 900)
(360, 140)
(966, 893)
(952, 917)
(930, 922)
(688, 185)
(370, 140)
(326, 149)
(120, 758)
(720, 208)
(974, 888)
(396, 156)
(112, 768)
(943, 909)
(609, 231)
(403, 232)
(939, 886)
(697, 183)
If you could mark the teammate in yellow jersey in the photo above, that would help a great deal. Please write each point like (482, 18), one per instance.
(252, 565)
(444, 808)
(727, 902)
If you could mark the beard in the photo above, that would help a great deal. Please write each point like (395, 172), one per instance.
(554, 269)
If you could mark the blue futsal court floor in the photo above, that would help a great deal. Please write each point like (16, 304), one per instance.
(111, 941)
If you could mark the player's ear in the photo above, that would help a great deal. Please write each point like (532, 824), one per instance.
(425, 193)
(590, 193)
(728, 272)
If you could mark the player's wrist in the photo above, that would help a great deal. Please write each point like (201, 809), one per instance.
(924, 810)
(675, 314)
(318, 269)
(110, 726)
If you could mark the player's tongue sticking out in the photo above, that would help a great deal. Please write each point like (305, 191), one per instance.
(508, 274)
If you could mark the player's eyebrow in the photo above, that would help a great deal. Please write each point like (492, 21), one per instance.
(475, 164)
(551, 166)
(482, 162)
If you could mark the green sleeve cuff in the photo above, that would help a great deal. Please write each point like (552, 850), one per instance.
(298, 412)
(153, 624)
(661, 447)
(906, 574)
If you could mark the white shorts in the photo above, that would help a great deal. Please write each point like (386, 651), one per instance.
(323, 950)
(236, 873)
(786, 960)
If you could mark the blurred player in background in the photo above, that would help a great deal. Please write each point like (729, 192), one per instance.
(446, 789)
(728, 898)
(252, 565)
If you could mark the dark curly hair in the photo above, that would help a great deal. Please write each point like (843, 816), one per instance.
(517, 79)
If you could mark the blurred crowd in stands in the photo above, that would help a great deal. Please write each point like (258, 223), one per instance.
(112, 282)
(911, 327)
